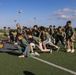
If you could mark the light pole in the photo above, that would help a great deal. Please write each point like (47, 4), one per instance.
(19, 12)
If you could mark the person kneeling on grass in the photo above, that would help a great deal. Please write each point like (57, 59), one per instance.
(24, 47)
(35, 41)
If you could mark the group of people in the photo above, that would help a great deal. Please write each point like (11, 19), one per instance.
(42, 38)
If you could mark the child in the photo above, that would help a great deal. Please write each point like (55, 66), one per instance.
(50, 30)
(70, 37)
(35, 41)
(61, 35)
(19, 31)
(35, 31)
(47, 39)
(11, 35)
(6, 33)
(23, 46)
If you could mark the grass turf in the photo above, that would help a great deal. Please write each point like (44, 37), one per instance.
(10, 64)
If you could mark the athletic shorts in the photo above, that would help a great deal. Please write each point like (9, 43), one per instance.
(48, 41)
(69, 39)
(35, 45)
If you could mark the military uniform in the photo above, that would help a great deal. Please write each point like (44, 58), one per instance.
(51, 31)
(69, 32)
(18, 32)
(60, 37)
(35, 40)
(35, 33)
(22, 45)
(43, 36)
(6, 32)
(48, 39)
(55, 33)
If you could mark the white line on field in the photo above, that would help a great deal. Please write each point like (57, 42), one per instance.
(54, 65)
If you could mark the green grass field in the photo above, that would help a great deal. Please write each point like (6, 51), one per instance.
(10, 64)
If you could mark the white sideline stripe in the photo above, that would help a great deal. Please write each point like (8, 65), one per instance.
(54, 65)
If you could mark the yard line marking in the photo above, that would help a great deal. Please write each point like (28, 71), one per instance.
(54, 65)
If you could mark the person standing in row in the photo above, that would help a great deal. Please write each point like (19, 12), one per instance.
(70, 37)
(19, 31)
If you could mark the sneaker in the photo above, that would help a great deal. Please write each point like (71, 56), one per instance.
(68, 50)
(72, 51)
(21, 56)
(37, 54)
(50, 51)
(32, 54)
(58, 48)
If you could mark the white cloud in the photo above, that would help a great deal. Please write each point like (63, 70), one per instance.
(65, 17)
(63, 11)
(66, 14)
(74, 14)
(67, 10)
(59, 12)
(74, 11)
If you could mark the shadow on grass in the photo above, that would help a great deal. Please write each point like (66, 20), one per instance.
(63, 49)
(13, 53)
(28, 73)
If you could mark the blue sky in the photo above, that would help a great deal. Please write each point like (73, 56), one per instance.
(46, 12)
